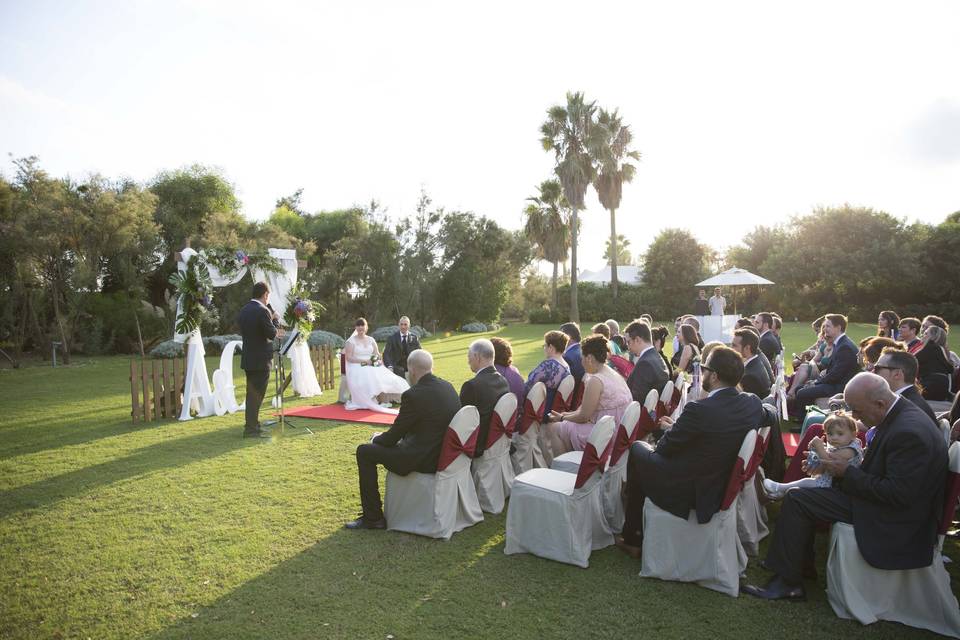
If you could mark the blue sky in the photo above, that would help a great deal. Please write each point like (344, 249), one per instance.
(745, 112)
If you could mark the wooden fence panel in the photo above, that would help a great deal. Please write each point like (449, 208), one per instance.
(163, 381)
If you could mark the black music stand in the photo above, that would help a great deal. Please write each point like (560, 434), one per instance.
(280, 385)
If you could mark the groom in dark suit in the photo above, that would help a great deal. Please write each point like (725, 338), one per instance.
(399, 346)
(258, 327)
(413, 442)
(484, 389)
(689, 469)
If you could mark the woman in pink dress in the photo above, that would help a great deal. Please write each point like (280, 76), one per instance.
(606, 394)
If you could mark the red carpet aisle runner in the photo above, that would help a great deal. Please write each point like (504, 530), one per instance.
(790, 443)
(338, 413)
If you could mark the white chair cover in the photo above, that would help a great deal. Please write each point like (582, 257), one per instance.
(682, 385)
(526, 440)
(550, 517)
(437, 505)
(686, 551)
(666, 399)
(561, 402)
(751, 515)
(493, 471)
(945, 430)
(919, 598)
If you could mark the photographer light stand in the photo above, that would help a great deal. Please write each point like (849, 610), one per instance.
(280, 382)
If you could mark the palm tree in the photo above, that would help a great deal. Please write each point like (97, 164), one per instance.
(546, 225)
(612, 173)
(623, 252)
(571, 133)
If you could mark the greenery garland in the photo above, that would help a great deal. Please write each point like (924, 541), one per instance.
(196, 294)
(230, 260)
(301, 311)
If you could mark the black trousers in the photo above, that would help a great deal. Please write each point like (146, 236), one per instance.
(256, 389)
(640, 453)
(368, 457)
(791, 548)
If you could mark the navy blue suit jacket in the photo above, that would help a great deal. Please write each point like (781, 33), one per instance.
(843, 363)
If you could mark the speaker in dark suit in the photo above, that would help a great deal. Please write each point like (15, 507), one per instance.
(691, 464)
(399, 346)
(893, 499)
(258, 328)
(414, 441)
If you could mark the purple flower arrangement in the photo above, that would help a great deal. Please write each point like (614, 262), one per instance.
(243, 258)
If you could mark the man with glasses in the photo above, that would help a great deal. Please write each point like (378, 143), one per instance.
(893, 499)
(899, 369)
(689, 469)
(649, 370)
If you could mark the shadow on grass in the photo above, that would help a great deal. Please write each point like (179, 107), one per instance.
(34, 436)
(170, 454)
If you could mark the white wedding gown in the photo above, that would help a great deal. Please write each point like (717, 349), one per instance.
(366, 382)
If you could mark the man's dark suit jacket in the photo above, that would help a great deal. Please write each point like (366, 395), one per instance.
(762, 357)
(897, 492)
(394, 353)
(912, 394)
(843, 364)
(770, 346)
(755, 379)
(649, 372)
(426, 410)
(692, 462)
(483, 391)
(258, 332)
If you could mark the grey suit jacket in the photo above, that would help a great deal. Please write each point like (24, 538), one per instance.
(649, 372)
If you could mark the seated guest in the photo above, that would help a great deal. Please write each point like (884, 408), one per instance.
(613, 328)
(899, 369)
(936, 321)
(601, 329)
(777, 328)
(413, 442)
(769, 344)
(503, 362)
(909, 329)
(744, 322)
(605, 393)
(689, 350)
(936, 370)
(483, 389)
(872, 347)
(693, 322)
(843, 364)
(572, 352)
(553, 369)
(646, 317)
(811, 362)
(659, 335)
(888, 323)
(893, 499)
(649, 370)
(708, 347)
(689, 469)
(755, 378)
(676, 334)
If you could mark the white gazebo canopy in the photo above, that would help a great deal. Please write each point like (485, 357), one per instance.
(626, 274)
(733, 277)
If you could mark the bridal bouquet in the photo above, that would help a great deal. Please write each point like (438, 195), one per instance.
(374, 360)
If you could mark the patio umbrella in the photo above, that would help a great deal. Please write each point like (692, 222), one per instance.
(734, 278)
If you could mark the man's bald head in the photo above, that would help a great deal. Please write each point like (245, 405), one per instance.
(419, 364)
(869, 398)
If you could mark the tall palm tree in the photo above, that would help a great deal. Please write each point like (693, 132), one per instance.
(547, 220)
(571, 133)
(612, 172)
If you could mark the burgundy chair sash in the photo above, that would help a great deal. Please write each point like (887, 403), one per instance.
(530, 415)
(621, 443)
(737, 477)
(661, 409)
(452, 448)
(498, 429)
(757, 458)
(675, 400)
(560, 404)
(591, 462)
(951, 495)
(623, 366)
(577, 398)
(645, 425)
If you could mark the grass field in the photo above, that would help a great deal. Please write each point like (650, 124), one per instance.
(185, 530)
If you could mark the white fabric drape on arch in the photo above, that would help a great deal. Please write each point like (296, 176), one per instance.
(197, 392)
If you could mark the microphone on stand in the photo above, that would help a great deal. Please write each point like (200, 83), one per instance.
(273, 313)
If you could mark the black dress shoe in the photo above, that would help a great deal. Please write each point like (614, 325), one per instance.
(256, 434)
(776, 589)
(363, 523)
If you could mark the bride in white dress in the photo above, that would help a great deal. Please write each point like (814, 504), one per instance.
(365, 380)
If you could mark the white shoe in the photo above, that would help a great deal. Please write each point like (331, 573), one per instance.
(773, 491)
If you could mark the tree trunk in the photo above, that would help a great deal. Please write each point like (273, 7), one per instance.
(63, 336)
(614, 253)
(574, 307)
(556, 296)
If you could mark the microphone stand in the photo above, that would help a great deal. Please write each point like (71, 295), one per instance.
(279, 386)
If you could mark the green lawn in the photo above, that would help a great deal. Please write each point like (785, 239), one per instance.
(185, 530)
